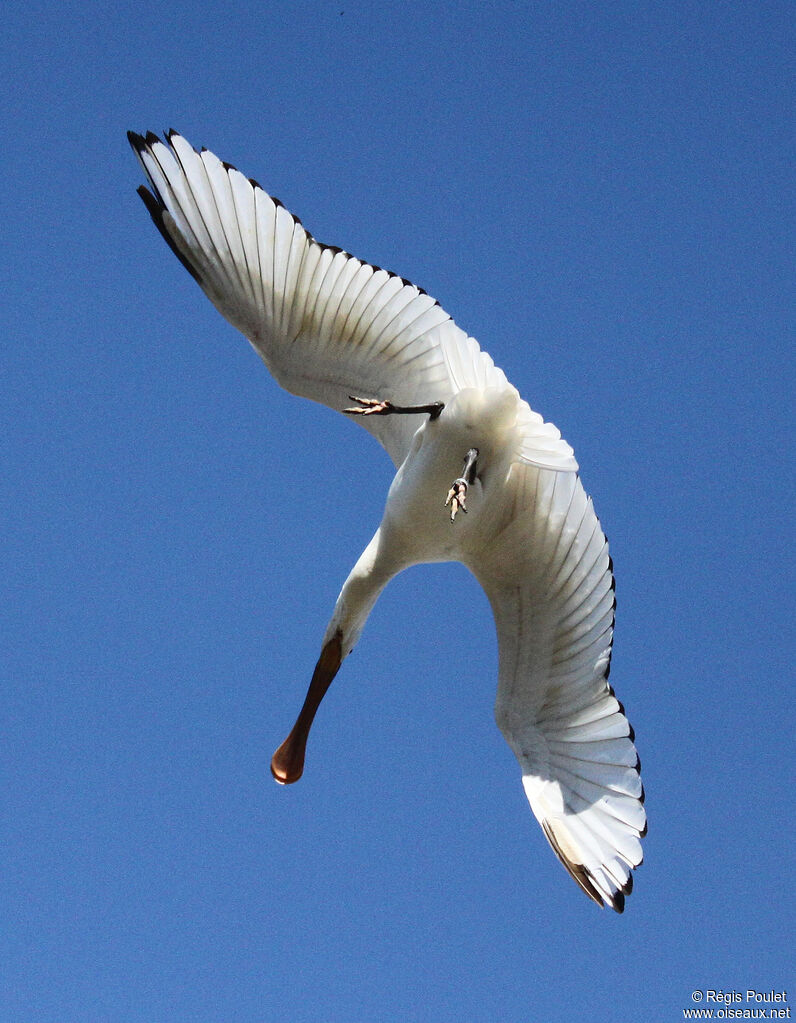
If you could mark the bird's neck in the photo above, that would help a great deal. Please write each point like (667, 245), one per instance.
(374, 569)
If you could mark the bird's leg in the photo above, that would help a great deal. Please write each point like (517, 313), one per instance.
(287, 764)
(373, 407)
(457, 495)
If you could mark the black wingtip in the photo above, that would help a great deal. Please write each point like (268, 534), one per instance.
(142, 142)
(577, 871)
(156, 210)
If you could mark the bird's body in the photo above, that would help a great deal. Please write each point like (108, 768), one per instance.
(414, 529)
(484, 420)
(329, 326)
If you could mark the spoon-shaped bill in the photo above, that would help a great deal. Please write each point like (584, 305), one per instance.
(287, 764)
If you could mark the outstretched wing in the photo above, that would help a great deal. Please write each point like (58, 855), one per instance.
(547, 573)
(326, 324)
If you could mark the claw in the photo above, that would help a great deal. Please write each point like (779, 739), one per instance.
(457, 495)
(369, 407)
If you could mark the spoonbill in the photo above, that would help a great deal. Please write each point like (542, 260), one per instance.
(480, 479)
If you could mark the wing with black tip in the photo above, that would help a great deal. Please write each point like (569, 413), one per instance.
(547, 573)
(326, 324)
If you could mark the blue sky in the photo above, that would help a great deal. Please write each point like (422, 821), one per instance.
(599, 194)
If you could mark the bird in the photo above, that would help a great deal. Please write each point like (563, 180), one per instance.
(480, 479)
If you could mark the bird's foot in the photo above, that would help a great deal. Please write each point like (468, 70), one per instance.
(370, 407)
(374, 407)
(457, 496)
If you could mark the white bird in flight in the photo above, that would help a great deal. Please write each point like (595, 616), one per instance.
(339, 331)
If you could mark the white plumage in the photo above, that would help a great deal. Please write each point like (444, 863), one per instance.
(329, 326)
